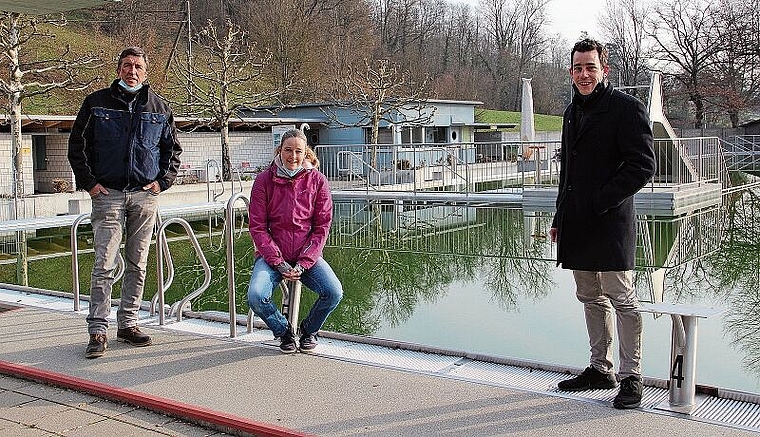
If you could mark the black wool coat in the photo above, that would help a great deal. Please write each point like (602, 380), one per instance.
(607, 156)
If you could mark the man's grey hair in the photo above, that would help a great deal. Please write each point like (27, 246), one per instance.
(132, 51)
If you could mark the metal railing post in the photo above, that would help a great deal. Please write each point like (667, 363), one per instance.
(75, 258)
(120, 266)
(291, 301)
(229, 219)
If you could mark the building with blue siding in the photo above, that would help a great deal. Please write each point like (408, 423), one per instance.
(343, 132)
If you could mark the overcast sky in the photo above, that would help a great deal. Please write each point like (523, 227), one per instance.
(569, 17)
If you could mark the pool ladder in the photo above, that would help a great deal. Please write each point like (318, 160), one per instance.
(162, 252)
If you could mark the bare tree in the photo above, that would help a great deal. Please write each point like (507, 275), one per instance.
(551, 81)
(623, 24)
(512, 45)
(454, 56)
(28, 77)
(380, 91)
(225, 77)
(309, 40)
(735, 74)
(686, 44)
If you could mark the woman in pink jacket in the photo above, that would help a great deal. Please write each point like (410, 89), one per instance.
(289, 218)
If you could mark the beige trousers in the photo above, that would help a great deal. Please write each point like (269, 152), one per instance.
(609, 299)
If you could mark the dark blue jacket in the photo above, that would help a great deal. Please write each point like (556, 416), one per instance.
(124, 143)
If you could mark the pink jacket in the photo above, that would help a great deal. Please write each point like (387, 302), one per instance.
(289, 219)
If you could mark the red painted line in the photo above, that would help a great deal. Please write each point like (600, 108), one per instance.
(166, 406)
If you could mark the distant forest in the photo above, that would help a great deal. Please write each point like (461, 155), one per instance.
(708, 51)
(444, 45)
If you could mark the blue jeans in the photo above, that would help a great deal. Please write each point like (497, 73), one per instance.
(320, 278)
(132, 213)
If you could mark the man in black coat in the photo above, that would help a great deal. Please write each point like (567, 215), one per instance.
(607, 156)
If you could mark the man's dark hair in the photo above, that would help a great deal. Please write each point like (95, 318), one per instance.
(587, 45)
(132, 51)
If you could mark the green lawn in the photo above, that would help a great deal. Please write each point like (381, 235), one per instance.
(543, 123)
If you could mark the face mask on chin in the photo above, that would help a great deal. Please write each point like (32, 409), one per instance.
(286, 171)
(293, 172)
(130, 89)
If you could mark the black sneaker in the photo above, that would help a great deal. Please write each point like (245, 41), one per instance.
(590, 379)
(288, 341)
(97, 346)
(307, 342)
(133, 336)
(629, 395)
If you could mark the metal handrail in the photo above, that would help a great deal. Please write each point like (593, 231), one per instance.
(120, 266)
(370, 169)
(160, 244)
(236, 176)
(455, 161)
(169, 265)
(229, 218)
(213, 163)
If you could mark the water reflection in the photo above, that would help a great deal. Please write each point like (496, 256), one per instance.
(408, 253)
(494, 241)
(398, 260)
(734, 274)
(398, 255)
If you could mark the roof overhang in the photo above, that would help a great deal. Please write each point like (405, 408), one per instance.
(31, 123)
(43, 7)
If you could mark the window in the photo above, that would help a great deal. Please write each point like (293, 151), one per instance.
(384, 135)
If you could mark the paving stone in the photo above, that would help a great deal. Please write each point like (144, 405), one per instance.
(10, 399)
(29, 413)
(5, 424)
(55, 394)
(112, 427)
(179, 428)
(106, 408)
(19, 430)
(68, 421)
(145, 418)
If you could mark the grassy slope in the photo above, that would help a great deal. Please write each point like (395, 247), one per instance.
(82, 43)
(543, 123)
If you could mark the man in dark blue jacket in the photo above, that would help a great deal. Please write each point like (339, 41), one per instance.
(607, 156)
(124, 151)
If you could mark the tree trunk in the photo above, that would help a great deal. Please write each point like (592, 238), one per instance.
(699, 111)
(733, 115)
(22, 270)
(375, 134)
(226, 164)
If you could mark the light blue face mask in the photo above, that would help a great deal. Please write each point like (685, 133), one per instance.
(130, 89)
(293, 172)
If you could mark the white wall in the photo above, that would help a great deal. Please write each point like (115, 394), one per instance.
(254, 148)
(6, 165)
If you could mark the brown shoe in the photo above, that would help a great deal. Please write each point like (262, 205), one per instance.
(97, 346)
(133, 336)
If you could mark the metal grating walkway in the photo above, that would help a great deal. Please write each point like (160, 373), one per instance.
(720, 411)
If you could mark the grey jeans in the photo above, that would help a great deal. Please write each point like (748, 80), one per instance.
(608, 297)
(134, 215)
